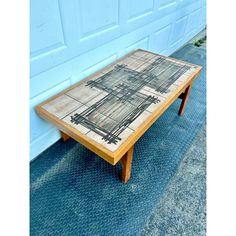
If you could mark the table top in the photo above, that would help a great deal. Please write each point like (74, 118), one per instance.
(110, 110)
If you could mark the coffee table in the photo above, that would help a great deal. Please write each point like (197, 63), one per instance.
(110, 110)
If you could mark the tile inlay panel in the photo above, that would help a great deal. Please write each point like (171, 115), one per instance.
(110, 106)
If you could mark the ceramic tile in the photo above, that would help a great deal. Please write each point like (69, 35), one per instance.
(110, 106)
(61, 106)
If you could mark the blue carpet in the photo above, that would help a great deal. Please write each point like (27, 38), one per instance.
(74, 192)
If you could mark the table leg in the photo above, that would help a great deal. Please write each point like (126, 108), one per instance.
(126, 162)
(184, 98)
(64, 136)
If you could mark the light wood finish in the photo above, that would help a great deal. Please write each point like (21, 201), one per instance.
(184, 98)
(126, 162)
(113, 157)
(64, 136)
(126, 146)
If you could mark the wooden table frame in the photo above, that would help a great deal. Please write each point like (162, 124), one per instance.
(124, 152)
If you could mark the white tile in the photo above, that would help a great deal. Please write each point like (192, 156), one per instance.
(180, 80)
(139, 120)
(112, 147)
(128, 61)
(124, 135)
(83, 93)
(153, 106)
(176, 61)
(165, 95)
(79, 127)
(109, 68)
(142, 67)
(148, 89)
(190, 71)
(94, 136)
(140, 54)
(61, 106)
(173, 87)
(96, 99)
(149, 92)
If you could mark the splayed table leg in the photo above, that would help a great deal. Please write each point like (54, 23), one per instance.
(184, 96)
(126, 162)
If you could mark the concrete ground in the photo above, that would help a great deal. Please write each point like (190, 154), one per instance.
(182, 208)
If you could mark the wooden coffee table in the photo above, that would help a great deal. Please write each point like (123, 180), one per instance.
(110, 110)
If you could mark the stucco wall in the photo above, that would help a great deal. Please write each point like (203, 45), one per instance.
(71, 39)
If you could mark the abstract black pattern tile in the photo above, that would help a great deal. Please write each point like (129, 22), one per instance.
(122, 96)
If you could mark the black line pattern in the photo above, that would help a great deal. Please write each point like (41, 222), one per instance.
(125, 101)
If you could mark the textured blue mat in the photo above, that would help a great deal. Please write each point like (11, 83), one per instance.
(74, 192)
